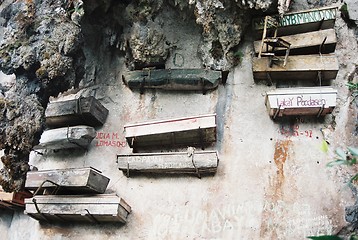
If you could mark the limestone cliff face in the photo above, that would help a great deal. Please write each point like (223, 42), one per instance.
(41, 46)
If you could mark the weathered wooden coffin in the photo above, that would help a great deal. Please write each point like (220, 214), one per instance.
(72, 180)
(78, 208)
(171, 162)
(300, 67)
(300, 22)
(193, 131)
(173, 79)
(87, 111)
(301, 101)
(66, 137)
(14, 200)
(306, 43)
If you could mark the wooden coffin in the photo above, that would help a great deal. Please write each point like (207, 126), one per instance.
(171, 162)
(306, 43)
(300, 22)
(14, 200)
(173, 79)
(193, 131)
(301, 101)
(67, 137)
(300, 67)
(86, 111)
(72, 180)
(78, 208)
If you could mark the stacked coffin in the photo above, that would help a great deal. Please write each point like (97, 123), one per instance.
(310, 41)
(188, 131)
(74, 121)
(81, 197)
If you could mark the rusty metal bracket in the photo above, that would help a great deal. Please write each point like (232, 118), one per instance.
(41, 186)
(127, 170)
(38, 210)
(91, 217)
(196, 169)
(277, 112)
(320, 111)
(322, 45)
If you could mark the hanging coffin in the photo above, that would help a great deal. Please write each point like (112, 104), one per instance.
(300, 22)
(72, 180)
(302, 67)
(323, 41)
(317, 101)
(87, 110)
(173, 79)
(172, 162)
(193, 131)
(78, 208)
(13, 200)
(66, 137)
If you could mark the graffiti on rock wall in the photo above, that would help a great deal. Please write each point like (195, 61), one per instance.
(232, 221)
(109, 139)
(295, 129)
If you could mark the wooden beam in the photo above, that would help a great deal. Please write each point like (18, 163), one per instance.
(175, 162)
(78, 208)
(306, 43)
(66, 137)
(300, 22)
(193, 131)
(87, 111)
(302, 67)
(173, 79)
(76, 180)
(311, 101)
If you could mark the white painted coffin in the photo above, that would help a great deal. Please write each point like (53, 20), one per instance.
(192, 131)
(72, 180)
(301, 21)
(67, 137)
(78, 208)
(300, 67)
(171, 162)
(306, 43)
(301, 101)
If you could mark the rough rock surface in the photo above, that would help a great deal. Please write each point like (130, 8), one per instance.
(40, 46)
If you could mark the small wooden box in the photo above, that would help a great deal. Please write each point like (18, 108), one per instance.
(187, 131)
(72, 180)
(171, 162)
(78, 208)
(86, 111)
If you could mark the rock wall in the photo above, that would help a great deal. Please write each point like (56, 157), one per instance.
(270, 184)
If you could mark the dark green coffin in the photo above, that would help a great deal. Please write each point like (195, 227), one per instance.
(173, 79)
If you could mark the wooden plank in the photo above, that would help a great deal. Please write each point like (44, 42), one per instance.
(13, 200)
(82, 208)
(67, 137)
(88, 111)
(175, 162)
(306, 43)
(303, 67)
(173, 79)
(77, 180)
(196, 131)
(301, 101)
(300, 22)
